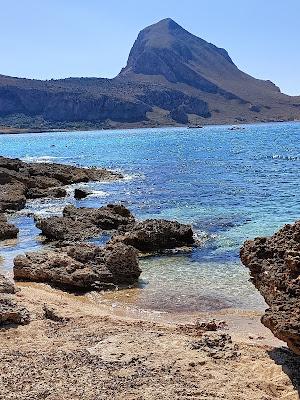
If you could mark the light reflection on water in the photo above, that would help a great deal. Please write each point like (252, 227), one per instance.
(230, 185)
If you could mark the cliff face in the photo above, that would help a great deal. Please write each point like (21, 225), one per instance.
(171, 77)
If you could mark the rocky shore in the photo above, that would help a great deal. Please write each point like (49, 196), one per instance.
(274, 264)
(20, 181)
(69, 262)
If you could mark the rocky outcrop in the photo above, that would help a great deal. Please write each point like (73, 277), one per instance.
(10, 311)
(7, 231)
(155, 235)
(20, 180)
(274, 264)
(83, 266)
(82, 223)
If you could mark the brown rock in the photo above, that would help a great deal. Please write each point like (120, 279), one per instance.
(83, 266)
(274, 264)
(156, 234)
(83, 223)
(7, 231)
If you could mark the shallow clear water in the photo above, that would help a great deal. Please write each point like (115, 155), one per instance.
(230, 185)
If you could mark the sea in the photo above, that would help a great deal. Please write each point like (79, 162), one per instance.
(229, 184)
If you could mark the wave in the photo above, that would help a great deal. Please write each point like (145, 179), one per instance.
(45, 159)
(285, 157)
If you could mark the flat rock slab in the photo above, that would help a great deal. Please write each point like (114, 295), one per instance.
(274, 264)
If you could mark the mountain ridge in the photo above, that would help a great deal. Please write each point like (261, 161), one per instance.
(172, 77)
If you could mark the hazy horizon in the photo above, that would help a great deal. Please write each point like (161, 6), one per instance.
(54, 40)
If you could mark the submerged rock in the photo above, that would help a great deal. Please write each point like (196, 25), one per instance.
(83, 266)
(83, 223)
(156, 234)
(274, 264)
(7, 231)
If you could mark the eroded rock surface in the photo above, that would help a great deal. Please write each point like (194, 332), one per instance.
(83, 266)
(274, 264)
(156, 234)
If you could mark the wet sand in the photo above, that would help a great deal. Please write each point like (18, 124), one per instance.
(100, 351)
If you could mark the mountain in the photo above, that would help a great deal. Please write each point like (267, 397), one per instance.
(172, 77)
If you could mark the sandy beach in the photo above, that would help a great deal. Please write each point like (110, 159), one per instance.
(89, 353)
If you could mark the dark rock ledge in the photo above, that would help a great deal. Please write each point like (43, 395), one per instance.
(274, 264)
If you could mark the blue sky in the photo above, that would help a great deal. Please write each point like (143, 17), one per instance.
(52, 39)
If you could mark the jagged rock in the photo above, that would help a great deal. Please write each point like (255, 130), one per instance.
(36, 193)
(6, 286)
(67, 229)
(7, 231)
(274, 264)
(80, 193)
(12, 196)
(83, 223)
(83, 266)
(155, 235)
(11, 312)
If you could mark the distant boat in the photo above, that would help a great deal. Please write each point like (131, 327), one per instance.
(195, 126)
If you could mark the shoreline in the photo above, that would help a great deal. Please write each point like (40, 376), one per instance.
(19, 131)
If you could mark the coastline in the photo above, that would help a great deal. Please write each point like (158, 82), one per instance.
(16, 131)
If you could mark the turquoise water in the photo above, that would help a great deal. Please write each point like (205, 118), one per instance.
(229, 184)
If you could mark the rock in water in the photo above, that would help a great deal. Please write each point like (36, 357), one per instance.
(7, 231)
(83, 223)
(156, 234)
(80, 193)
(83, 266)
(274, 264)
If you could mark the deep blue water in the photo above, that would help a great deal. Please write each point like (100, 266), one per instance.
(229, 184)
